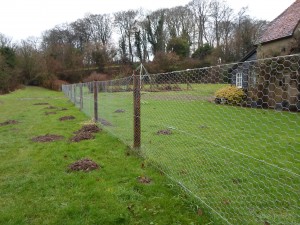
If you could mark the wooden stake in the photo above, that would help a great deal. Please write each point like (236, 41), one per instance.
(137, 111)
(95, 101)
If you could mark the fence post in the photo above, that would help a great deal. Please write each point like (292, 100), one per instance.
(81, 97)
(95, 101)
(137, 112)
(74, 95)
(71, 92)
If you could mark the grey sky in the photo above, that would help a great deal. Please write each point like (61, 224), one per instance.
(23, 18)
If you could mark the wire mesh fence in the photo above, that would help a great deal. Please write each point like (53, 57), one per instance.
(228, 134)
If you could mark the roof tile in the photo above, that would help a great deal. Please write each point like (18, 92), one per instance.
(284, 25)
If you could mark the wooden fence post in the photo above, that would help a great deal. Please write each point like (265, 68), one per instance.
(95, 101)
(137, 112)
(74, 94)
(71, 93)
(81, 97)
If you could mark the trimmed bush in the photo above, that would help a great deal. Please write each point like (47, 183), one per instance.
(230, 95)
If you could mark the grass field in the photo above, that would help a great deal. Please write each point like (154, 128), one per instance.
(36, 188)
(243, 164)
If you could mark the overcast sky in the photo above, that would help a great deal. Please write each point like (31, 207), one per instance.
(20, 19)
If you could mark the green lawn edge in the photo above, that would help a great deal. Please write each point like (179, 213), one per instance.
(36, 187)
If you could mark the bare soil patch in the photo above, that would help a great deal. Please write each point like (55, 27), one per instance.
(66, 118)
(105, 122)
(120, 111)
(8, 122)
(144, 180)
(91, 128)
(41, 103)
(82, 136)
(49, 113)
(47, 138)
(85, 133)
(85, 165)
(164, 132)
(51, 107)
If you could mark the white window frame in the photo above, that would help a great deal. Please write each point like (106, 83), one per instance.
(239, 80)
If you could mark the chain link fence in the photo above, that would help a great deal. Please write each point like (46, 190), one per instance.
(228, 134)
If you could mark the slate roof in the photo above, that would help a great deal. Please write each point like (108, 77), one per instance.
(284, 25)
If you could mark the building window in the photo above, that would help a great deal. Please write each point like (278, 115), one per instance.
(239, 80)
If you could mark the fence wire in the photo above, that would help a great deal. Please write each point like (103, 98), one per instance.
(228, 134)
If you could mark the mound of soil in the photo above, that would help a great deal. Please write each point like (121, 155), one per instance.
(8, 122)
(51, 107)
(85, 165)
(144, 180)
(41, 103)
(82, 136)
(105, 122)
(85, 133)
(91, 128)
(48, 113)
(164, 132)
(66, 118)
(47, 138)
(120, 111)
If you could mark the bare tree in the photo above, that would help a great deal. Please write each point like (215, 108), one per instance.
(82, 32)
(31, 62)
(246, 32)
(126, 23)
(200, 10)
(226, 28)
(179, 21)
(219, 12)
(5, 41)
(100, 28)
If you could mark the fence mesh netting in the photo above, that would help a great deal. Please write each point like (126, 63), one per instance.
(228, 134)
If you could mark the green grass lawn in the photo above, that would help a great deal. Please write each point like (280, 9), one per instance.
(243, 164)
(36, 188)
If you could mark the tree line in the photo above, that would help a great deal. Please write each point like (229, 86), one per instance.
(201, 33)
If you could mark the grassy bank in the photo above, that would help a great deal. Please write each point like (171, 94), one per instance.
(37, 188)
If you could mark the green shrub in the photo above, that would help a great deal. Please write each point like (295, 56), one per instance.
(230, 95)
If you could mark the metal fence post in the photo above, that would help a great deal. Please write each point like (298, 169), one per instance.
(81, 97)
(95, 101)
(137, 112)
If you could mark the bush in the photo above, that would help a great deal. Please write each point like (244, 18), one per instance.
(164, 62)
(180, 46)
(54, 84)
(230, 95)
(96, 77)
(9, 78)
(202, 52)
